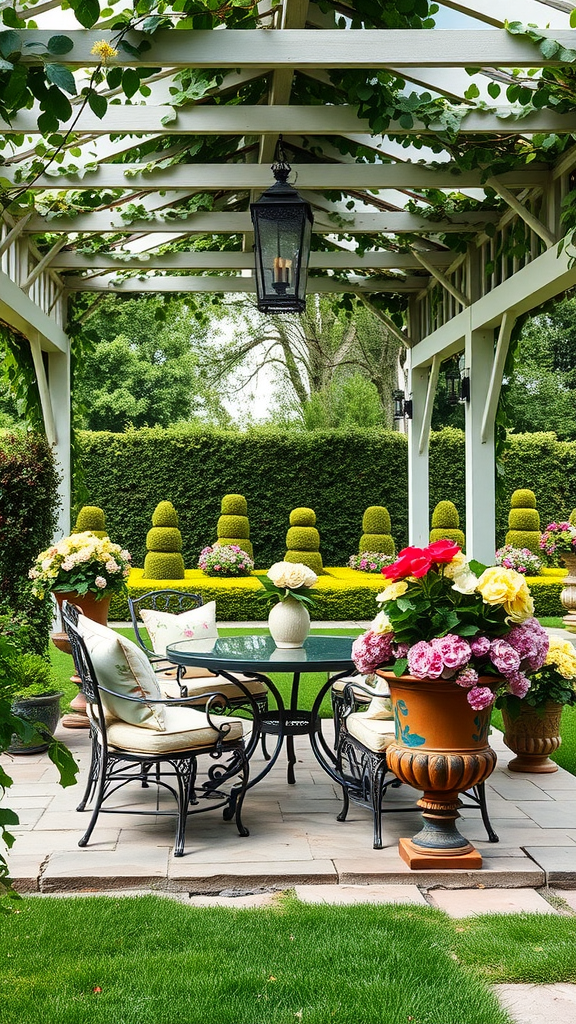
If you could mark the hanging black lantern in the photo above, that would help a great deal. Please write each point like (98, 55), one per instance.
(453, 385)
(398, 400)
(282, 233)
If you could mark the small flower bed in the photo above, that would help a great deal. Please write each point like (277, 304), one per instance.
(225, 560)
(520, 559)
(558, 539)
(370, 561)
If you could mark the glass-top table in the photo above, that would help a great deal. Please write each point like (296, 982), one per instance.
(256, 657)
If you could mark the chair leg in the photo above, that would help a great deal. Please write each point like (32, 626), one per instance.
(98, 801)
(345, 805)
(265, 753)
(240, 794)
(480, 791)
(376, 786)
(93, 773)
(185, 775)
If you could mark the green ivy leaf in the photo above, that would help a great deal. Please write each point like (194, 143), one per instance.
(98, 104)
(87, 11)
(59, 44)
(573, 18)
(58, 104)
(9, 17)
(10, 43)
(48, 122)
(549, 48)
(62, 77)
(114, 77)
(130, 82)
(494, 90)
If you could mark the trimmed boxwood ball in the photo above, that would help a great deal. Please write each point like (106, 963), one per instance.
(456, 535)
(313, 559)
(233, 526)
(91, 517)
(302, 517)
(234, 505)
(523, 498)
(164, 538)
(375, 520)
(445, 523)
(163, 565)
(524, 519)
(165, 515)
(303, 538)
(241, 542)
(380, 542)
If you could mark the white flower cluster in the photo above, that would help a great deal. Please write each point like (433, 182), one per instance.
(82, 559)
(291, 575)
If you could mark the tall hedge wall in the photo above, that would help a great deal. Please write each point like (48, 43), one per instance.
(337, 473)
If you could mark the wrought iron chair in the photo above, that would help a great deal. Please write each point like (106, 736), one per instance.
(124, 752)
(361, 763)
(189, 683)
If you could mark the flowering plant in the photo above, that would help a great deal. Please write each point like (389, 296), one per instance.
(554, 681)
(444, 617)
(225, 560)
(558, 539)
(370, 561)
(521, 559)
(288, 579)
(82, 563)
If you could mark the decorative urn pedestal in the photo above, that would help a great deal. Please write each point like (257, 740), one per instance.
(289, 623)
(568, 594)
(441, 747)
(532, 736)
(93, 609)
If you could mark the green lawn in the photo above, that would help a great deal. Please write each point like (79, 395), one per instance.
(149, 960)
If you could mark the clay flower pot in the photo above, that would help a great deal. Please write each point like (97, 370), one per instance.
(532, 736)
(441, 747)
(92, 609)
(568, 593)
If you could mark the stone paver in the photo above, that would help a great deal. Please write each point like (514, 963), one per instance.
(346, 895)
(559, 862)
(538, 1004)
(471, 902)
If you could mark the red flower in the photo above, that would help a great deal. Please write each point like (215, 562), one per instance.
(442, 551)
(410, 562)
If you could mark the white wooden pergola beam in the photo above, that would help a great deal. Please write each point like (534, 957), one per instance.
(42, 264)
(43, 390)
(243, 119)
(389, 324)
(424, 439)
(442, 279)
(511, 200)
(301, 49)
(316, 285)
(12, 235)
(393, 223)
(17, 310)
(345, 175)
(243, 261)
(547, 276)
(496, 12)
(502, 345)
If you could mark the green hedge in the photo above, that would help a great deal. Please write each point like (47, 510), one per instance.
(338, 473)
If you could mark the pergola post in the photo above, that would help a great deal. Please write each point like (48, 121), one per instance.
(480, 467)
(59, 387)
(418, 461)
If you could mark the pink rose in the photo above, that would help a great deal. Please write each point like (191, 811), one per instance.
(425, 661)
(454, 650)
(480, 646)
(480, 697)
(504, 657)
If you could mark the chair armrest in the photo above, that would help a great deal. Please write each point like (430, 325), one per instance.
(211, 699)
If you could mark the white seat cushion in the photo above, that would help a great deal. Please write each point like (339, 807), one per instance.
(184, 729)
(380, 704)
(165, 628)
(374, 733)
(215, 684)
(120, 665)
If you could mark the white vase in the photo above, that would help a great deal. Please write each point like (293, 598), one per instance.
(289, 623)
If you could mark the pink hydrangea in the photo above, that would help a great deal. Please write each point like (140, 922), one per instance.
(400, 650)
(480, 646)
(100, 582)
(531, 641)
(371, 650)
(425, 661)
(504, 657)
(518, 684)
(454, 650)
(480, 697)
(467, 677)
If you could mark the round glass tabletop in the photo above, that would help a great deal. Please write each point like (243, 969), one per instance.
(260, 654)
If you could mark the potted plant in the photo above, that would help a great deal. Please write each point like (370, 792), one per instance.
(532, 725)
(35, 700)
(288, 585)
(451, 635)
(84, 569)
(558, 542)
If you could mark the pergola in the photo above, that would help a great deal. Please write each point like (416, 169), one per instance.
(450, 209)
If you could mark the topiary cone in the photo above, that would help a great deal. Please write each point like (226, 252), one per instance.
(524, 521)
(445, 524)
(233, 526)
(91, 517)
(377, 531)
(164, 544)
(303, 540)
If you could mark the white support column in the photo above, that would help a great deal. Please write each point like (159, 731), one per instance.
(59, 385)
(480, 468)
(418, 462)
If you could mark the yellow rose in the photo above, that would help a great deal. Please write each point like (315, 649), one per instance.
(457, 566)
(508, 588)
(520, 609)
(381, 624)
(562, 656)
(392, 591)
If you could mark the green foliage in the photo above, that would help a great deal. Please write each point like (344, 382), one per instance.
(164, 538)
(376, 542)
(446, 533)
(303, 538)
(445, 516)
(242, 542)
(28, 505)
(572, 517)
(234, 505)
(524, 519)
(313, 559)
(233, 526)
(376, 519)
(33, 677)
(302, 517)
(165, 515)
(159, 565)
(523, 498)
(91, 518)
(524, 539)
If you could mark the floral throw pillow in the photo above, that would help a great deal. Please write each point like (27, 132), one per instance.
(165, 629)
(122, 667)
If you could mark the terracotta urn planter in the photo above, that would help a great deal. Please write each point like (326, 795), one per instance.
(568, 594)
(93, 609)
(441, 747)
(533, 736)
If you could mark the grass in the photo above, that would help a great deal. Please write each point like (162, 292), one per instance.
(148, 960)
